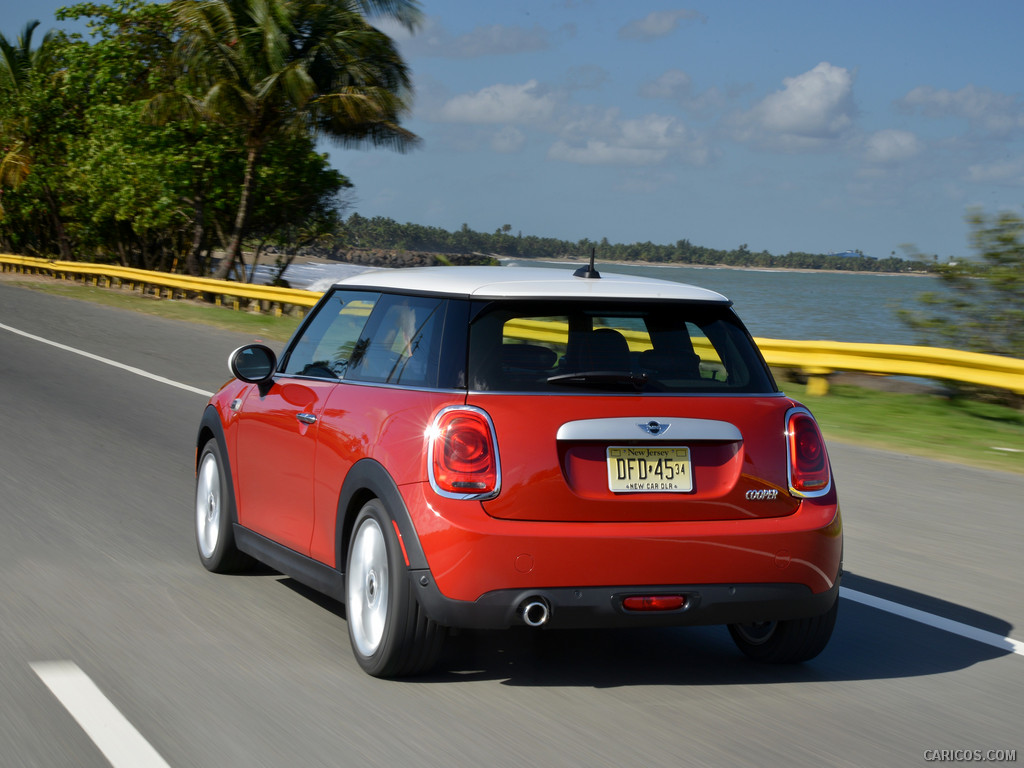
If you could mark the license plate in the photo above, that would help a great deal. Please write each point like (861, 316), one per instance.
(645, 470)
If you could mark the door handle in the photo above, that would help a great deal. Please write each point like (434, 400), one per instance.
(306, 418)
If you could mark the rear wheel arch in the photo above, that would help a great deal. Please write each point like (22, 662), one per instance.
(368, 479)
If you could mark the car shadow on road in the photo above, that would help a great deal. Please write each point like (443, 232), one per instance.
(868, 644)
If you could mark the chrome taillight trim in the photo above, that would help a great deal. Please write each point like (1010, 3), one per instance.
(789, 462)
(432, 446)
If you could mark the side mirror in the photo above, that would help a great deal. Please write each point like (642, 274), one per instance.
(253, 363)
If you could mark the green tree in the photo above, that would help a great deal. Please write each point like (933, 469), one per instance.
(981, 308)
(263, 68)
(35, 121)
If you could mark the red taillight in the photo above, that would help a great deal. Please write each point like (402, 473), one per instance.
(463, 459)
(654, 603)
(809, 473)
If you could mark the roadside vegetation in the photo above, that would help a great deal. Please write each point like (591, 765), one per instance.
(177, 129)
(982, 308)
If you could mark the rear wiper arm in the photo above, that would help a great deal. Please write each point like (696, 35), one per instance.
(606, 378)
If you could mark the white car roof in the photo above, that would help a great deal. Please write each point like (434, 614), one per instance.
(529, 282)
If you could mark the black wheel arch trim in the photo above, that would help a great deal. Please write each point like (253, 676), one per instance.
(210, 423)
(368, 478)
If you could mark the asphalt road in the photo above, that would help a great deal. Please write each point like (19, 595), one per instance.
(98, 568)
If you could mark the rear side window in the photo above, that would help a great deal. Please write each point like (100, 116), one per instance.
(328, 343)
(642, 348)
(401, 342)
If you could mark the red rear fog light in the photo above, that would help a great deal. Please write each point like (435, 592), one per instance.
(654, 602)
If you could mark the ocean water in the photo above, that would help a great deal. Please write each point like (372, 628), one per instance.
(775, 304)
(829, 306)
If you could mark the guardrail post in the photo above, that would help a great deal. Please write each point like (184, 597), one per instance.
(817, 381)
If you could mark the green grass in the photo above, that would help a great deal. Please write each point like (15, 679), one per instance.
(960, 431)
(267, 327)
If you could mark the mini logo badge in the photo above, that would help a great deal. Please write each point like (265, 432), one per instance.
(654, 427)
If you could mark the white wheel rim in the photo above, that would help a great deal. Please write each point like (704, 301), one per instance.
(208, 506)
(367, 587)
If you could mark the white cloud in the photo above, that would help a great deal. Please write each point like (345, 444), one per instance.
(673, 84)
(677, 86)
(596, 152)
(1009, 173)
(607, 139)
(656, 131)
(514, 104)
(508, 140)
(890, 146)
(812, 110)
(996, 113)
(658, 24)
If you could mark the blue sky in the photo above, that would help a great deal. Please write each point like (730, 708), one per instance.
(805, 126)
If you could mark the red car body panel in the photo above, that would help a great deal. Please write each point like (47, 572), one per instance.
(471, 553)
(386, 424)
(274, 459)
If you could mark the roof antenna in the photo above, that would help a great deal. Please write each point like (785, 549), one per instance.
(588, 271)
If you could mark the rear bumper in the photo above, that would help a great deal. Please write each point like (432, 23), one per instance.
(594, 607)
(475, 563)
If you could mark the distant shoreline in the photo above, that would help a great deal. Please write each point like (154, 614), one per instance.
(268, 259)
(506, 260)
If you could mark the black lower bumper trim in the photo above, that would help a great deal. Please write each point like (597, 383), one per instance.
(593, 607)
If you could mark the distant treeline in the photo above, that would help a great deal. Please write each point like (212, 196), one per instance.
(384, 233)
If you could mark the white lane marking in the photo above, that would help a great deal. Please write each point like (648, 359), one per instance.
(107, 361)
(938, 622)
(117, 739)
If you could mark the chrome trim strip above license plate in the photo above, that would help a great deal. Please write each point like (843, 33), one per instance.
(669, 428)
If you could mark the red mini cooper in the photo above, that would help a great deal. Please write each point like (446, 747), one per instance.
(487, 447)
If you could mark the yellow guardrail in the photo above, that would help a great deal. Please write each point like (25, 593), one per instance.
(816, 359)
(166, 283)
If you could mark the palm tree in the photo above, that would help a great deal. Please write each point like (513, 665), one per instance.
(20, 136)
(266, 67)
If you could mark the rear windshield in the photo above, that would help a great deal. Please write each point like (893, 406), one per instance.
(648, 347)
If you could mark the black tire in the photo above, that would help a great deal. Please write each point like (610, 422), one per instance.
(215, 514)
(391, 636)
(785, 642)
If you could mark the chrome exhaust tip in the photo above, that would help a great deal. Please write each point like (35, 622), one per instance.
(535, 612)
